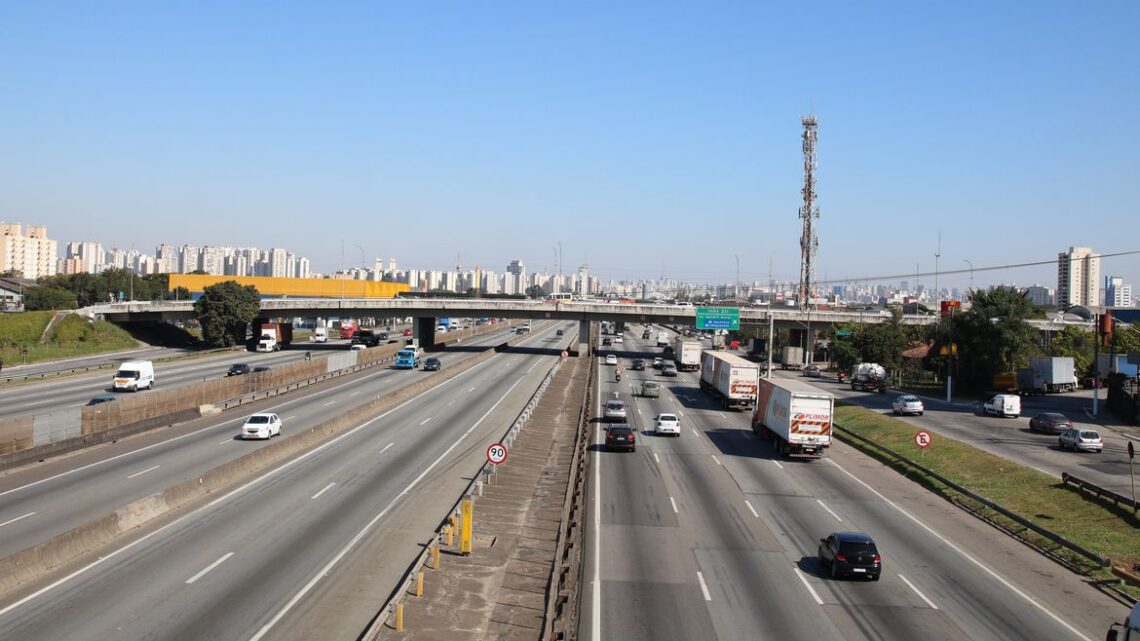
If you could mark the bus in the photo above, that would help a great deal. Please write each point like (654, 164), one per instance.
(560, 297)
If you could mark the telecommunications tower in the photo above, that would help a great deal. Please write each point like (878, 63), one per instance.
(809, 242)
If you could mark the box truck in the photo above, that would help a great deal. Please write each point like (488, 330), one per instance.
(795, 415)
(274, 336)
(792, 358)
(1058, 373)
(730, 378)
(687, 354)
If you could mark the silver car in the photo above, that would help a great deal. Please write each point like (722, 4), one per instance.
(615, 410)
(1080, 440)
(908, 404)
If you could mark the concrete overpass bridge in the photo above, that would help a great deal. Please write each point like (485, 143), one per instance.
(426, 311)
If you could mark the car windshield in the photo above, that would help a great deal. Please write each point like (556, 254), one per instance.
(667, 417)
(1093, 436)
(128, 373)
(258, 419)
(615, 405)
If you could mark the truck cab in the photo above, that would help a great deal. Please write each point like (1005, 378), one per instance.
(1127, 631)
(408, 357)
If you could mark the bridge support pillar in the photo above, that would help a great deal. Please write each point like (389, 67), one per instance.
(423, 330)
(583, 338)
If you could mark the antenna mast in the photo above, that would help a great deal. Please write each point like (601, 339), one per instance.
(809, 242)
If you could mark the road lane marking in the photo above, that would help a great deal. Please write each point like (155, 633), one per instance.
(228, 440)
(209, 567)
(329, 403)
(655, 457)
(920, 594)
(355, 393)
(722, 416)
(149, 469)
(674, 504)
(324, 571)
(18, 518)
(777, 463)
(751, 509)
(39, 403)
(386, 447)
(997, 577)
(829, 510)
(451, 403)
(695, 432)
(195, 513)
(807, 585)
(326, 489)
(704, 588)
(716, 459)
(289, 417)
(471, 390)
(681, 414)
(536, 362)
(426, 421)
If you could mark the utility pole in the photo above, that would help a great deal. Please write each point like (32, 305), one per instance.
(937, 255)
(809, 242)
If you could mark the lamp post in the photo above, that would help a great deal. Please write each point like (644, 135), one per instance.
(555, 278)
(736, 285)
(362, 266)
(967, 261)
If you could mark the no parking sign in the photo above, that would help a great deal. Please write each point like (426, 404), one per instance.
(922, 439)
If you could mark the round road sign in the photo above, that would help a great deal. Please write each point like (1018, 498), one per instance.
(922, 439)
(565, 353)
(497, 453)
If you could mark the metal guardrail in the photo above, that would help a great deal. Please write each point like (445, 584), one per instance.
(483, 475)
(1100, 492)
(53, 372)
(1029, 525)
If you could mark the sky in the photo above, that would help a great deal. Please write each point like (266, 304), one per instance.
(649, 139)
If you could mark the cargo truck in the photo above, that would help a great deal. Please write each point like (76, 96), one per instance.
(347, 328)
(1117, 364)
(795, 415)
(1058, 373)
(687, 354)
(793, 357)
(274, 336)
(408, 358)
(729, 377)
(662, 339)
(1127, 631)
(869, 377)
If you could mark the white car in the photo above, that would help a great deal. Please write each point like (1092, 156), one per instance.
(611, 359)
(261, 425)
(908, 404)
(668, 424)
(618, 340)
(1080, 440)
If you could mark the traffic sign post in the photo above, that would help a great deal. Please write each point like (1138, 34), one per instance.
(1131, 476)
(718, 318)
(497, 453)
(922, 440)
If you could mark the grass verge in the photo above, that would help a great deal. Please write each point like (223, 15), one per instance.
(1033, 495)
(72, 336)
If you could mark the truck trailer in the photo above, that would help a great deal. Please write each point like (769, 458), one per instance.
(792, 357)
(273, 336)
(795, 415)
(1058, 373)
(730, 378)
(687, 354)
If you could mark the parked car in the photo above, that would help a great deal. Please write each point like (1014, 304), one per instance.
(237, 369)
(813, 371)
(615, 410)
(668, 369)
(649, 389)
(1080, 440)
(908, 404)
(1050, 423)
(261, 425)
(611, 359)
(102, 399)
(850, 554)
(432, 364)
(620, 436)
(668, 424)
(638, 365)
(1003, 405)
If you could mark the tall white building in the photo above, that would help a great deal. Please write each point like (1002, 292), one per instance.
(278, 262)
(1078, 278)
(1117, 293)
(33, 254)
(88, 253)
(514, 281)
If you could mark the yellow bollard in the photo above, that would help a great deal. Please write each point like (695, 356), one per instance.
(435, 557)
(399, 617)
(420, 583)
(447, 533)
(468, 508)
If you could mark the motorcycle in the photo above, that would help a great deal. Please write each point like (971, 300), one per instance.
(842, 376)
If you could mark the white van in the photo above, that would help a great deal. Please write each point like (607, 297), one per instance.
(1003, 405)
(320, 334)
(134, 376)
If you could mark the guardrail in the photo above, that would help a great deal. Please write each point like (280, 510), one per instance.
(1100, 492)
(258, 395)
(1029, 525)
(483, 475)
(53, 373)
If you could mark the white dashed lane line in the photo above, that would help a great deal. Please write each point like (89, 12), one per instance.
(18, 518)
(386, 447)
(751, 509)
(325, 489)
(829, 510)
(209, 567)
(149, 469)
(920, 594)
(807, 585)
(704, 588)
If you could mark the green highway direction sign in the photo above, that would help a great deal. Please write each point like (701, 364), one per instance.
(718, 318)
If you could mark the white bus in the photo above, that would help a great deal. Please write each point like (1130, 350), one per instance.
(558, 297)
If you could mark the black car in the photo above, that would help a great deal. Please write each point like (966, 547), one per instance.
(607, 341)
(1050, 423)
(259, 369)
(850, 554)
(620, 436)
(432, 364)
(558, 333)
(638, 365)
(102, 399)
(237, 369)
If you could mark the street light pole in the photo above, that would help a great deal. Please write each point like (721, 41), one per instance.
(736, 285)
(967, 261)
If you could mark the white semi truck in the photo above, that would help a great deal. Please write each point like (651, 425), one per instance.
(795, 415)
(687, 354)
(730, 378)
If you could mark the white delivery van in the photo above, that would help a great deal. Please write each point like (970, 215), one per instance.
(134, 376)
(1003, 405)
(320, 334)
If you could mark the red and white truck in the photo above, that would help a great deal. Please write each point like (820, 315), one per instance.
(274, 336)
(729, 377)
(687, 354)
(795, 415)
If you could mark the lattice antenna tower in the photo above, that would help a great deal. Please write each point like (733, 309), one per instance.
(809, 242)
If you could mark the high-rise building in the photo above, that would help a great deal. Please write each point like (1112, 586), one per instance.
(1117, 293)
(33, 255)
(279, 262)
(89, 255)
(1078, 278)
(1039, 295)
(514, 282)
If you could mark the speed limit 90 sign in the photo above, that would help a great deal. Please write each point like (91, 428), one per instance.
(497, 453)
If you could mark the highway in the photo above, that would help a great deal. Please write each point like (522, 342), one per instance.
(249, 563)
(710, 535)
(37, 503)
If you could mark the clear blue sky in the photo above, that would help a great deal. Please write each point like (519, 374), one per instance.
(654, 137)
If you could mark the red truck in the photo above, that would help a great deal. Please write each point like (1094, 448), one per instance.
(347, 329)
(274, 336)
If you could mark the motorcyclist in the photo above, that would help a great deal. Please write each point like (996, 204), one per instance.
(308, 356)
(617, 373)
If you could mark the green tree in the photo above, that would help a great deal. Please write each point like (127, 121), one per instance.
(534, 291)
(1127, 339)
(884, 343)
(225, 310)
(844, 353)
(992, 336)
(1077, 343)
(47, 297)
